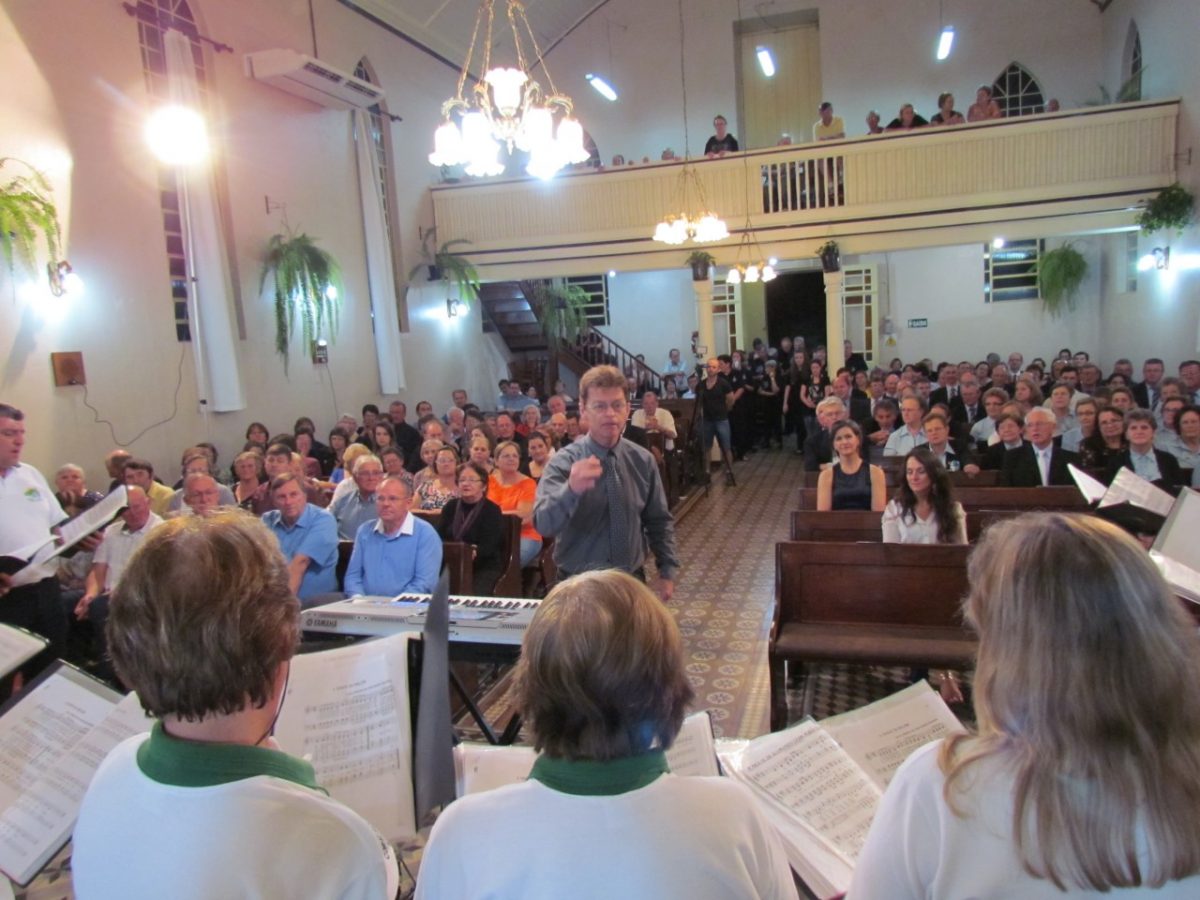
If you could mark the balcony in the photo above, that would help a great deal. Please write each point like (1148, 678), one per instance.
(1064, 173)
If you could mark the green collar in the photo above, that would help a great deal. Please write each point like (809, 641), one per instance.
(593, 778)
(171, 760)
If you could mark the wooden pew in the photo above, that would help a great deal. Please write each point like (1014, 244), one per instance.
(850, 526)
(456, 558)
(892, 476)
(1064, 499)
(887, 604)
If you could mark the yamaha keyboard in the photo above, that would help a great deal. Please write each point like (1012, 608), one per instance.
(475, 620)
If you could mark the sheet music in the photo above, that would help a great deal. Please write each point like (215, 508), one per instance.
(44, 724)
(71, 533)
(1176, 550)
(693, 752)
(17, 646)
(482, 767)
(879, 737)
(804, 770)
(1091, 488)
(347, 712)
(1130, 488)
(40, 821)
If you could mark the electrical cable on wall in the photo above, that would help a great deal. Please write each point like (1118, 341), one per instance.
(174, 408)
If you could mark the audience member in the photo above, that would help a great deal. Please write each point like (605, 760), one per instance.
(250, 474)
(1041, 461)
(715, 399)
(1085, 423)
(946, 114)
(472, 518)
(1082, 648)
(873, 126)
(912, 411)
(851, 482)
(398, 553)
(436, 492)
(907, 119)
(602, 685)
(71, 490)
(722, 142)
(923, 509)
(1142, 457)
(202, 627)
(540, 451)
(818, 446)
(1180, 435)
(308, 537)
(984, 107)
(140, 473)
(828, 127)
(356, 508)
(1106, 443)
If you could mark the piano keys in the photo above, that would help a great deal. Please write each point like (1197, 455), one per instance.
(474, 620)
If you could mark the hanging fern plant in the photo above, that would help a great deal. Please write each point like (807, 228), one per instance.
(306, 283)
(1060, 272)
(1170, 210)
(561, 309)
(28, 217)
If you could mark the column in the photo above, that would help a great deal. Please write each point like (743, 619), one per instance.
(834, 336)
(704, 314)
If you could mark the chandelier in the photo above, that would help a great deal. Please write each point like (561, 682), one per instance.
(699, 223)
(507, 106)
(745, 270)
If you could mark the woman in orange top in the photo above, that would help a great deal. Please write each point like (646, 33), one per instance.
(514, 492)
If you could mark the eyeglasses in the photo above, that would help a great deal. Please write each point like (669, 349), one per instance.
(617, 407)
(463, 481)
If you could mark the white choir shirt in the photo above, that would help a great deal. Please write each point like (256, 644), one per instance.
(118, 546)
(918, 848)
(28, 509)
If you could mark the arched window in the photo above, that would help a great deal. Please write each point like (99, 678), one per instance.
(381, 134)
(154, 17)
(1018, 92)
(1131, 67)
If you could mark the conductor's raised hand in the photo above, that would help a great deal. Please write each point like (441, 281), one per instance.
(584, 474)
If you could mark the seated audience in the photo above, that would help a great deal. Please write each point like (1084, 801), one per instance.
(398, 553)
(436, 492)
(531, 418)
(1040, 461)
(1105, 443)
(258, 434)
(654, 419)
(1121, 399)
(198, 461)
(818, 446)
(140, 473)
(481, 452)
(201, 496)
(984, 107)
(472, 518)
(355, 508)
(393, 464)
(250, 474)
(828, 127)
(1084, 649)
(722, 142)
(308, 537)
(277, 461)
(951, 456)
(602, 685)
(429, 451)
(515, 493)
(339, 440)
(352, 455)
(1027, 393)
(202, 626)
(1085, 422)
(1182, 435)
(71, 490)
(873, 126)
(1065, 411)
(540, 452)
(851, 482)
(912, 434)
(923, 510)
(907, 119)
(1142, 457)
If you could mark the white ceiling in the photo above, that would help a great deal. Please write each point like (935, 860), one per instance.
(445, 26)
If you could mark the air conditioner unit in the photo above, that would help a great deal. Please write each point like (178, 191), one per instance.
(311, 79)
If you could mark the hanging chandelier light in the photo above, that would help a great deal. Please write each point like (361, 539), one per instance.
(507, 107)
(750, 266)
(696, 223)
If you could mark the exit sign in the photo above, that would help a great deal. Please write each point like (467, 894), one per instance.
(918, 323)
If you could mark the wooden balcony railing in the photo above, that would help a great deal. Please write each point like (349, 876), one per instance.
(1071, 171)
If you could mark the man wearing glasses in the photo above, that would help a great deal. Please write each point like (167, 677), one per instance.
(601, 498)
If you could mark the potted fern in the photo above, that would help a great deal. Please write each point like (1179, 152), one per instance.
(445, 265)
(561, 310)
(1170, 210)
(701, 262)
(1060, 272)
(831, 256)
(28, 217)
(306, 282)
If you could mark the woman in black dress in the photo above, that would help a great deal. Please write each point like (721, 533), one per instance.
(473, 519)
(851, 482)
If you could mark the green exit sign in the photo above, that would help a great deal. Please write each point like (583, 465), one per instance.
(918, 323)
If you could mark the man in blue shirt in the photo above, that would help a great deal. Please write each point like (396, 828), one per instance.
(307, 535)
(397, 554)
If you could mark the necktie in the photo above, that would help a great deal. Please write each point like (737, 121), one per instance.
(618, 540)
(1044, 465)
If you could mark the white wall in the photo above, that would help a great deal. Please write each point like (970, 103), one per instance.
(945, 286)
(651, 312)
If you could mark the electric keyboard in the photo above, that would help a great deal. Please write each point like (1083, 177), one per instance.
(475, 620)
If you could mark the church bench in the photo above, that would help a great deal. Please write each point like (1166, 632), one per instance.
(851, 525)
(869, 603)
(893, 474)
(1059, 499)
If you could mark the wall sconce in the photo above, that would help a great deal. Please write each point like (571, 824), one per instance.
(63, 279)
(452, 308)
(1162, 257)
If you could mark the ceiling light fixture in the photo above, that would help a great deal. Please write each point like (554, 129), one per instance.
(507, 106)
(765, 62)
(694, 222)
(750, 264)
(945, 42)
(603, 88)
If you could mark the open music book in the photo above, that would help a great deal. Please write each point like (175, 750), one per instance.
(820, 782)
(482, 767)
(346, 711)
(53, 737)
(1176, 549)
(31, 564)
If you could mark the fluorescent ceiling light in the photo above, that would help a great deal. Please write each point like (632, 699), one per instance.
(765, 62)
(605, 89)
(945, 42)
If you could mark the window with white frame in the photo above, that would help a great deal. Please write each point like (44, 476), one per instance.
(1017, 92)
(1010, 271)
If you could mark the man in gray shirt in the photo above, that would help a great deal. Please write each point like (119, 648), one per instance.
(601, 498)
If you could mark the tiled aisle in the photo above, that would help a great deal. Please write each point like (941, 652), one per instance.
(724, 596)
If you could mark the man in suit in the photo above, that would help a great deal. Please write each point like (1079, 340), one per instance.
(856, 402)
(947, 390)
(1040, 462)
(966, 409)
(1142, 457)
(818, 446)
(1146, 391)
(945, 449)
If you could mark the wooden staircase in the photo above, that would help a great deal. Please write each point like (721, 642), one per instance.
(507, 309)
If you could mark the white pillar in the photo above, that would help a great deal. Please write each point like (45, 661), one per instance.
(704, 314)
(835, 353)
